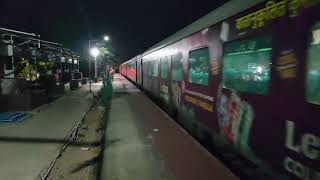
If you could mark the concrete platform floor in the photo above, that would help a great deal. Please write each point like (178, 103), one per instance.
(143, 143)
(27, 147)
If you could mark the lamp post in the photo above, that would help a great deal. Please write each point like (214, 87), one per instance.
(96, 51)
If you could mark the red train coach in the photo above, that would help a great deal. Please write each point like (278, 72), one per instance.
(245, 78)
(132, 69)
(122, 69)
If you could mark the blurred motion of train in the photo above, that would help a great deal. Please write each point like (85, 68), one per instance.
(245, 81)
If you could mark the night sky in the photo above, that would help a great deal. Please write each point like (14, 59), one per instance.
(133, 26)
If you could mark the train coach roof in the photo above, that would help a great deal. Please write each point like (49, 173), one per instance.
(225, 11)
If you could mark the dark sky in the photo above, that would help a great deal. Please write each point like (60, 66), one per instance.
(132, 25)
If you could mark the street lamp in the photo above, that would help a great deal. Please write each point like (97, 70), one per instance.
(95, 52)
(106, 38)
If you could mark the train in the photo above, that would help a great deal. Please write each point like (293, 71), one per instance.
(245, 81)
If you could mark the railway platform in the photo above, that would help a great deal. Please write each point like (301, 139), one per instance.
(29, 146)
(143, 142)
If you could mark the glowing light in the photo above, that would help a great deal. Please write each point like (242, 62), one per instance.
(259, 69)
(106, 38)
(94, 52)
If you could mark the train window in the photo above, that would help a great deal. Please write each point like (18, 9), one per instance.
(199, 66)
(155, 68)
(313, 66)
(246, 65)
(177, 69)
(164, 68)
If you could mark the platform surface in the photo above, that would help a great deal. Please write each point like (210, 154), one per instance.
(28, 146)
(144, 143)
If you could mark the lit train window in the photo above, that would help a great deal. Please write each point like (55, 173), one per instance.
(246, 65)
(177, 69)
(313, 66)
(164, 68)
(155, 68)
(199, 66)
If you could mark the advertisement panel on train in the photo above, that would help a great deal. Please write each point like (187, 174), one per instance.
(247, 86)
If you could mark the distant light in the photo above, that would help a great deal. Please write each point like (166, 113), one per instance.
(106, 38)
(75, 61)
(259, 69)
(95, 52)
(70, 60)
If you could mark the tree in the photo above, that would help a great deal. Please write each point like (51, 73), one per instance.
(108, 57)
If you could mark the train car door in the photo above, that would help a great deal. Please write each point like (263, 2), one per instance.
(126, 69)
(164, 80)
(136, 71)
(176, 77)
(155, 77)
